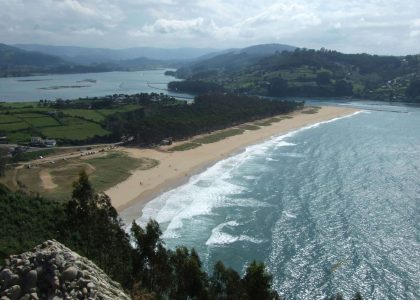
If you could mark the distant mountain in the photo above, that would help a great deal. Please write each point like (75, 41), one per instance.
(15, 62)
(144, 63)
(267, 49)
(83, 55)
(231, 59)
(12, 56)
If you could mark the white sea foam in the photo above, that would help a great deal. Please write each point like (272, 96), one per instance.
(191, 200)
(292, 154)
(289, 215)
(218, 237)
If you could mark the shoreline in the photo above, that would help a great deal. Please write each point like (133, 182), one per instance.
(176, 168)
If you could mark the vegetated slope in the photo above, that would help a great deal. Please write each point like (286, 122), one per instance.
(18, 62)
(11, 56)
(311, 73)
(230, 60)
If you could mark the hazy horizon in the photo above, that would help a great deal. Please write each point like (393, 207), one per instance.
(371, 26)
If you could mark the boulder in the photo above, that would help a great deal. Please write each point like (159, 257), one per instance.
(59, 273)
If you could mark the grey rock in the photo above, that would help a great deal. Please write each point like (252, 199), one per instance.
(34, 296)
(91, 285)
(10, 280)
(30, 279)
(66, 274)
(69, 274)
(5, 274)
(14, 292)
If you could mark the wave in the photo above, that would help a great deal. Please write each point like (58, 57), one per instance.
(219, 238)
(173, 208)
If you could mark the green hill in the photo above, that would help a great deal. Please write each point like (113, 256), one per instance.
(11, 56)
(17, 62)
(311, 73)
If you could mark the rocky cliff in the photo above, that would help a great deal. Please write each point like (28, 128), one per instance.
(53, 271)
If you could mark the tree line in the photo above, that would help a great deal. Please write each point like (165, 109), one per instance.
(153, 123)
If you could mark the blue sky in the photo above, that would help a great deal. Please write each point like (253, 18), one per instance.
(372, 26)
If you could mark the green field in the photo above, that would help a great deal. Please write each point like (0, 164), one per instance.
(185, 147)
(74, 129)
(63, 173)
(268, 122)
(20, 121)
(86, 114)
(122, 165)
(8, 119)
(249, 127)
(44, 121)
(218, 136)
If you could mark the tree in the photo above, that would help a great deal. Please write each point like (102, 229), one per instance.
(323, 78)
(337, 296)
(343, 88)
(257, 283)
(226, 283)
(413, 90)
(278, 87)
(3, 161)
(189, 280)
(95, 229)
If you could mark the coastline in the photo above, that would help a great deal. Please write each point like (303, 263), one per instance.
(176, 168)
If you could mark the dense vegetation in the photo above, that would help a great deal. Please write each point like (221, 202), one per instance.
(208, 112)
(149, 118)
(90, 225)
(310, 73)
(76, 122)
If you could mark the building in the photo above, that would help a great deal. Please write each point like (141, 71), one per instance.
(40, 142)
(36, 141)
(50, 143)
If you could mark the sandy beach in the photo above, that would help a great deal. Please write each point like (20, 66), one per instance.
(175, 168)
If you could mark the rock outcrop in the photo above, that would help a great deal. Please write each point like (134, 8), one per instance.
(53, 271)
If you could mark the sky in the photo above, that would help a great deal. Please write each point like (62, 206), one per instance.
(350, 26)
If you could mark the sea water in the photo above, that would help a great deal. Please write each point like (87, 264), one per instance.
(332, 207)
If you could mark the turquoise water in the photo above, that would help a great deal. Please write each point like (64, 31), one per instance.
(334, 207)
(34, 88)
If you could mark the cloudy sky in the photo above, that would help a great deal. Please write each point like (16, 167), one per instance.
(372, 26)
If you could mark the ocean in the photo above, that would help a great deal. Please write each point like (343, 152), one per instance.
(332, 207)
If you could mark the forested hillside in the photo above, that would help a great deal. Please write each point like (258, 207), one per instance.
(310, 73)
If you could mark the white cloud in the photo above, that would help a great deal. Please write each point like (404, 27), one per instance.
(380, 26)
(189, 27)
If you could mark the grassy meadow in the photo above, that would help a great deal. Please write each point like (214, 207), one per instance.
(20, 121)
(55, 180)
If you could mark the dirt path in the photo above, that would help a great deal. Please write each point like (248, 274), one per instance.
(47, 180)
